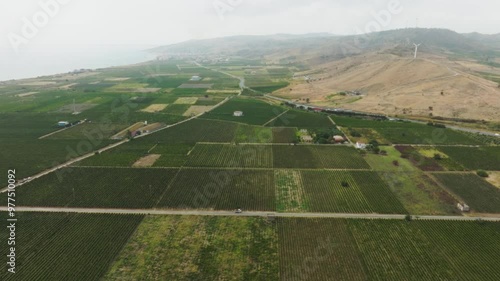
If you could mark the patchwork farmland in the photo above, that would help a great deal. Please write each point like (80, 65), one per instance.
(227, 197)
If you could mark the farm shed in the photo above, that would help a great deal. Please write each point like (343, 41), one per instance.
(306, 138)
(62, 123)
(360, 145)
(463, 207)
(338, 139)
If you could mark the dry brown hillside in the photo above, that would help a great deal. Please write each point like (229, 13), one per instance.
(394, 85)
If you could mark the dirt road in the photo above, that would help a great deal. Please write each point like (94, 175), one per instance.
(246, 214)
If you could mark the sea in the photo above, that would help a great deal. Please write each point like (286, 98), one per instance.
(62, 59)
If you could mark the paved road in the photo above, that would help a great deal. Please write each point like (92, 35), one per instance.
(244, 214)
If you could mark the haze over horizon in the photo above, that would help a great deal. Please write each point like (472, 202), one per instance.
(63, 27)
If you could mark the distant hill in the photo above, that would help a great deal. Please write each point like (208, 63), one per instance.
(455, 75)
(326, 45)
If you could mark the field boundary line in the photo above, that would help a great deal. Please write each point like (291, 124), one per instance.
(168, 187)
(275, 118)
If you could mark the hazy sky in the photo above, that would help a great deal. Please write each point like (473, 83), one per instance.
(147, 23)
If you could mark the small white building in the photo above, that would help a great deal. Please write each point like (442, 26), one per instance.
(360, 145)
(238, 114)
(463, 207)
(62, 123)
(306, 138)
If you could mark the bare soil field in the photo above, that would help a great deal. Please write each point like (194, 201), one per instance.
(195, 86)
(197, 109)
(494, 178)
(186, 101)
(146, 161)
(27, 94)
(117, 79)
(148, 90)
(132, 128)
(152, 127)
(155, 108)
(66, 87)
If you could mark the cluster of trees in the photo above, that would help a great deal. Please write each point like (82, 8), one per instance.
(325, 136)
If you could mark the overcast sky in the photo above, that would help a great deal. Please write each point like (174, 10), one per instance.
(147, 23)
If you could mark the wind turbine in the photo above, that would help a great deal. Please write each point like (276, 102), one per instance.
(416, 49)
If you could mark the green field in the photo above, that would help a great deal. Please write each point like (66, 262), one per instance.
(398, 132)
(302, 119)
(480, 195)
(485, 158)
(193, 131)
(317, 249)
(172, 155)
(56, 246)
(253, 134)
(23, 151)
(264, 84)
(221, 190)
(97, 188)
(317, 157)
(284, 135)
(349, 192)
(418, 193)
(425, 135)
(199, 248)
(255, 112)
(228, 155)
(290, 191)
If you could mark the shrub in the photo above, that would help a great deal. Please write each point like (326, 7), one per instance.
(482, 173)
